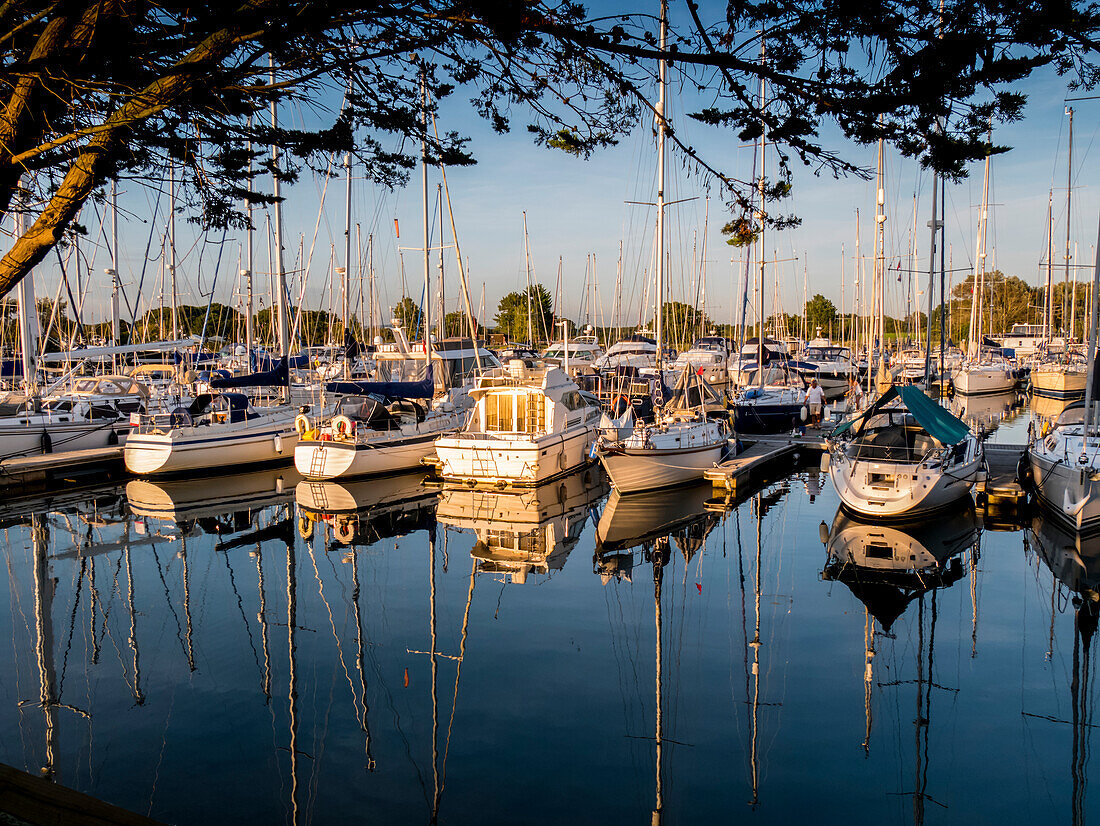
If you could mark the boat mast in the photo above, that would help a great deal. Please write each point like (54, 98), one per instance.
(172, 250)
(527, 266)
(347, 254)
(662, 69)
(279, 299)
(934, 225)
(424, 193)
(248, 338)
(880, 265)
(1048, 309)
(116, 323)
(1069, 201)
(762, 215)
(1089, 400)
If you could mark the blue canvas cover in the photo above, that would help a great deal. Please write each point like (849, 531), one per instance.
(938, 422)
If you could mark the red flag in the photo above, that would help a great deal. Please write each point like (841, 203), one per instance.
(699, 585)
(699, 372)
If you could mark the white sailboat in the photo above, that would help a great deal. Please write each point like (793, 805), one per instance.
(1065, 462)
(682, 442)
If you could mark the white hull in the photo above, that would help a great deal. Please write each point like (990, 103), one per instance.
(268, 439)
(1058, 384)
(892, 490)
(503, 459)
(320, 460)
(632, 470)
(1069, 493)
(981, 379)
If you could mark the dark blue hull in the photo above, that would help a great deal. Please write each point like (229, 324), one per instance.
(766, 418)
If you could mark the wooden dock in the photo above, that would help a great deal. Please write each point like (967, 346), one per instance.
(754, 459)
(78, 466)
(1001, 488)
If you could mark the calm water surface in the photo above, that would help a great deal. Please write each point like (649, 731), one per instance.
(252, 650)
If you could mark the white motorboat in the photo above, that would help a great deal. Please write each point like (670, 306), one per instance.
(674, 450)
(94, 412)
(980, 378)
(711, 357)
(831, 365)
(529, 425)
(1025, 339)
(575, 356)
(638, 351)
(216, 431)
(903, 456)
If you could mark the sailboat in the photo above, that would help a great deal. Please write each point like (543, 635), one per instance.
(982, 372)
(1065, 462)
(682, 442)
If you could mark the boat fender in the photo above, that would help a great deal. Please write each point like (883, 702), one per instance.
(47, 442)
(1023, 471)
(301, 425)
(825, 462)
(278, 443)
(1045, 429)
(305, 527)
(804, 413)
(823, 533)
(342, 427)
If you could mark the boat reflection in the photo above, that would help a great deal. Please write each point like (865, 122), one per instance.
(1047, 410)
(523, 532)
(985, 413)
(888, 568)
(1075, 563)
(210, 502)
(363, 512)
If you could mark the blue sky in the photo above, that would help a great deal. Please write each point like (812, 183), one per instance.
(576, 208)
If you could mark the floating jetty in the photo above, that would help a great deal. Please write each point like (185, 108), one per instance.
(50, 469)
(1001, 488)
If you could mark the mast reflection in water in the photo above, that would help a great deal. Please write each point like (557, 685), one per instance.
(259, 649)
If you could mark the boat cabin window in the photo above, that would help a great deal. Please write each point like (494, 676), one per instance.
(1074, 414)
(514, 412)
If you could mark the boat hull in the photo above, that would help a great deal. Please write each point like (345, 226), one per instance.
(505, 460)
(318, 460)
(766, 418)
(633, 470)
(889, 490)
(29, 439)
(1070, 494)
(1058, 384)
(195, 448)
(984, 380)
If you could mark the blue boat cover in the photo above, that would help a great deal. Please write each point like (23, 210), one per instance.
(277, 377)
(423, 389)
(938, 422)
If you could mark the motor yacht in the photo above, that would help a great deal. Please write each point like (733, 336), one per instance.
(712, 358)
(575, 356)
(903, 456)
(636, 351)
(529, 425)
(831, 365)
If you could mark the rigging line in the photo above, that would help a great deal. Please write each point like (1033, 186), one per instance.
(240, 607)
(331, 619)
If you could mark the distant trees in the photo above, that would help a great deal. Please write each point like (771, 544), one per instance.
(820, 312)
(511, 317)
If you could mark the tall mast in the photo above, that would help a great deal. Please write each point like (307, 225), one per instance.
(424, 193)
(760, 245)
(662, 70)
(934, 225)
(983, 224)
(248, 337)
(1069, 201)
(347, 253)
(172, 249)
(1048, 308)
(527, 266)
(279, 299)
(880, 266)
(1089, 400)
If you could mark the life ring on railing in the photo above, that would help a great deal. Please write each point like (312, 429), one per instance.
(301, 425)
(342, 427)
(620, 404)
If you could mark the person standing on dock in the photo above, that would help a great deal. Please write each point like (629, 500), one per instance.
(815, 398)
(855, 395)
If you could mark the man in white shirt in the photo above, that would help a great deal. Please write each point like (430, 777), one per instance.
(815, 398)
